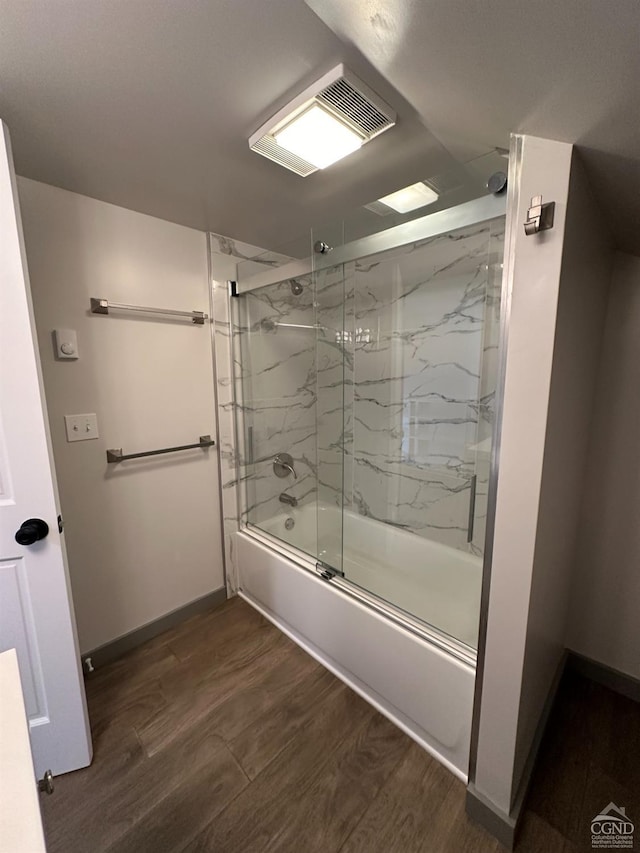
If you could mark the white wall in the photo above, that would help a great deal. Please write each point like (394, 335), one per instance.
(582, 302)
(559, 281)
(605, 623)
(144, 537)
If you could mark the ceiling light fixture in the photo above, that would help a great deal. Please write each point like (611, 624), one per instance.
(410, 198)
(332, 118)
(318, 137)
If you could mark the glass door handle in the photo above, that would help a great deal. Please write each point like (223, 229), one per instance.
(472, 507)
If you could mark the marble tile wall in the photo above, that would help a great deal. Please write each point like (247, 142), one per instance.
(378, 378)
(488, 379)
(276, 336)
(422, 341)
(225, 256)
(334, 405)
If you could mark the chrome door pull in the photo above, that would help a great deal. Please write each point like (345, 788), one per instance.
(472, 507)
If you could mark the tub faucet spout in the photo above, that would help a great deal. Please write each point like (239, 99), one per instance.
(288, 499)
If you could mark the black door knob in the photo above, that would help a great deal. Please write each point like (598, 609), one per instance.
(32, 530)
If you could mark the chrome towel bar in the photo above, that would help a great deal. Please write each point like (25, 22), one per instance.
(116, 455)
(102, 306)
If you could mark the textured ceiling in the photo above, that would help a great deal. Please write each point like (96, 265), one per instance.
(476, 71)
(149, 104)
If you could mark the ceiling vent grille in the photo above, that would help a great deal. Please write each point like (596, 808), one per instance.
(379, 208)
(347, 101)
(443, 184)
(341, 93)
(268, 147)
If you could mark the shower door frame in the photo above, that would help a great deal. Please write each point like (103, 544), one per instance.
(470, 213)
(424, 228)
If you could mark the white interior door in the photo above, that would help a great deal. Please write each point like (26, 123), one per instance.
(36, 612)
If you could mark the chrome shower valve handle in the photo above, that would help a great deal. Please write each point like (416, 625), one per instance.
(283, 465)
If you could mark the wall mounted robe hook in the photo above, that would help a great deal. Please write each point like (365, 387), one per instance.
(539, 216)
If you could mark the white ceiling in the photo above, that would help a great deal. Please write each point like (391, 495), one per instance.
(476, 70)
(149, 104)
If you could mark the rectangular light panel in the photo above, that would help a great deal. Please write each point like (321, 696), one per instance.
(410, 198)
(318, 137)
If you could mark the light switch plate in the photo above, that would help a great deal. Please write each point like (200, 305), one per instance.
(81, 427)
(66, 343)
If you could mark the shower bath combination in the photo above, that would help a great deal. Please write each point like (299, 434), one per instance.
(369, 392)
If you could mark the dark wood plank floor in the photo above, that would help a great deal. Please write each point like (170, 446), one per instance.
(222, 735)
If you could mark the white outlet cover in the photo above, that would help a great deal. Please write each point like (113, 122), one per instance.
(81, 427)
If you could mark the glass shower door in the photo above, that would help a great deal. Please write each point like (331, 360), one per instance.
(332, 412)
(367, 384)
(275, 341)
(413, 366)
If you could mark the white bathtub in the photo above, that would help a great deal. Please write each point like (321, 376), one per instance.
(422, 687)
(435, 583)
